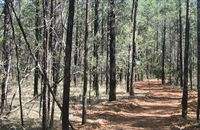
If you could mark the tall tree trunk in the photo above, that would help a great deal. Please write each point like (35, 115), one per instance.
(76, 43)
(44, 78)
(163, 53)
(180, 45)
(102, 43)
(133, 50)
(191, 66)
(96, 46)
(132, 10)
(128, 70)
(198, 58)
(170, 57)
(129, 52)
(85, 67)
(38, 38)
(67, 68)
(112, 92)
(6, 57)
(107, 53)
(186, 58)
(50, 53)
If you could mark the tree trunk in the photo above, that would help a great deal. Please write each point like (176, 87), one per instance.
(112, 92)
(67, 68)
(85, 67)
(44, 78)
(163, 53)
(133, 50)
(107, 53)
(38, 38)
(76, 43)
(132, 10)
(186, 58)
(96, 46)
(128, 70)
(180, 45)
(170, 57)
(198, 58)
(102, 44)
(6, 57)
(191, 66)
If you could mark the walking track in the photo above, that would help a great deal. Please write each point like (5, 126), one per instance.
(152, 108)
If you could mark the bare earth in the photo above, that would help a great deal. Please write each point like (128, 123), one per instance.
(154, 107)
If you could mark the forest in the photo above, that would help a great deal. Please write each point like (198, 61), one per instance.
(99, 64)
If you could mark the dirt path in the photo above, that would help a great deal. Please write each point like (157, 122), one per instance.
(151, 108)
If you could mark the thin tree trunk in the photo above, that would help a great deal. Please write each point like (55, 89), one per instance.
(191, 66)
(186, 58)
(44, 78)
(85, 67)
(6, 57)
(102, 45)
(132, 10)
(38, 38)
(90, 83)
(198, 58)
(67, 68)
(107, 53)
(96, 46)
(128, 70)
(170, 55)
(163, 53)
(133, 50)
(76, 43)
(112, 92)
(180, 44)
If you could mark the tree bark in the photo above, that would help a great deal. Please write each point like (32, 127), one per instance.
(112, 92)
(85, 67)
(44, 78)
(128, 70)
(96, 46)
(180, 45)
(198, 58)
(163, 53)
(6, 57)
(186, 58)
(38, 38)
(107, 53)
(76, 43)
(67, 68)
(133, 51)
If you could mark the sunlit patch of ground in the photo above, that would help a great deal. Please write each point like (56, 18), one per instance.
(154, 107)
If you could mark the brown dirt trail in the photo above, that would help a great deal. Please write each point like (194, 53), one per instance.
(152, 108)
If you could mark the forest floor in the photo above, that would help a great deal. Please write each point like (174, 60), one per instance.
(154, 107)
